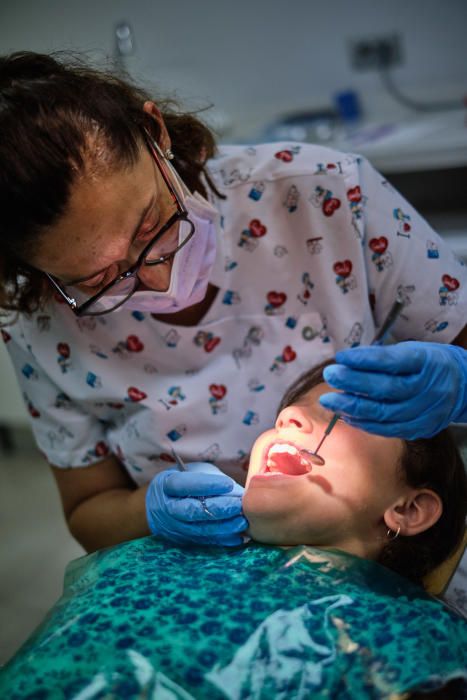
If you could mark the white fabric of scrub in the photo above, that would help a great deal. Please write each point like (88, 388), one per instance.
(313, 247)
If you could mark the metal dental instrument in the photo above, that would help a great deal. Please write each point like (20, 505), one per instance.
(182, 468)
(379, 338)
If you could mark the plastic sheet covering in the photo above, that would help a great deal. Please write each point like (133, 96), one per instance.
(153, 621)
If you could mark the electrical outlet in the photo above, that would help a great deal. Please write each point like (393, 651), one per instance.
(376, 52)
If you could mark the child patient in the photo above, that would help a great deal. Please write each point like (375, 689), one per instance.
(400, 502)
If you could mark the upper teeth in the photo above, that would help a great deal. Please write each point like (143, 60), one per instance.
(291, 449)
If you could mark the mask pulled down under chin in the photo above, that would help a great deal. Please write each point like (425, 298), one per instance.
(191, 268)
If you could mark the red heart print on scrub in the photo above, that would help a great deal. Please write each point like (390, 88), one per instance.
(63, 349)
(135, 394)
(101, 449)
(354, 194)
(257, 228)
(134, 344)
(164, 457)
(276, 299)
(378, 245)
(343, 268)
(218, 391)
(288, 354)
(407, 227)
(286, 156)
(211, 343)
(330, 205)
(6, 336)
(450, 283)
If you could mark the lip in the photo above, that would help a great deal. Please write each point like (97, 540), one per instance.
(263, 471)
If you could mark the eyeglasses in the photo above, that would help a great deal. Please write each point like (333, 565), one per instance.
(166, 242)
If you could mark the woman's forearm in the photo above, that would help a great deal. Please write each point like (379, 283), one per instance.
(109, 517)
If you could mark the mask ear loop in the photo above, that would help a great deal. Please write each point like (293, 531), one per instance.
(392, 535)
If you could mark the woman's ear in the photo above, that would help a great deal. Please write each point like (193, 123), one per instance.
(153, 111)
(415, 512)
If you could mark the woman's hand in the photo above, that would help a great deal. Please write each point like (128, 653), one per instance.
(409, 390)
(198, 506)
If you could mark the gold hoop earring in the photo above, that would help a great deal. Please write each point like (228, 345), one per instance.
(168, 154)
(390, 535)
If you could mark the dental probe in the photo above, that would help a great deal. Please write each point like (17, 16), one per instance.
(394, 312)
(182, 468)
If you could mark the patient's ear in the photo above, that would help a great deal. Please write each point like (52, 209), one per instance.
(415, 512)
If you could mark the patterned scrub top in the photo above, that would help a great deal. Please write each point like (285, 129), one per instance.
(313, 247)
(147, 619)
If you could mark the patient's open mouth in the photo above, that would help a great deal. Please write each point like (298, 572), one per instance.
(285, 458)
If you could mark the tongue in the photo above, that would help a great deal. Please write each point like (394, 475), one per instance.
(286, 464)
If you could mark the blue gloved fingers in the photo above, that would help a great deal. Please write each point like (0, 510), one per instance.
(192, 510)
(402, 358)
(377, 386)
(204, 467)
(182, 484)
(209, 528)
(359, 409)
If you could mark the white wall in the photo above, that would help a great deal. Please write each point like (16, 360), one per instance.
(255, 58)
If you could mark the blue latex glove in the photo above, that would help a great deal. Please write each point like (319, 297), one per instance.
(175, 512)
(409, 390)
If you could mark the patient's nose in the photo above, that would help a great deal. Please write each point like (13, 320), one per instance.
(294, 417)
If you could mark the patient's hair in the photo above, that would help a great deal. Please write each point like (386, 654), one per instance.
(434, 463)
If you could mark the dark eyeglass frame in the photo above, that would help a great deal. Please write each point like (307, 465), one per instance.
(180, 215)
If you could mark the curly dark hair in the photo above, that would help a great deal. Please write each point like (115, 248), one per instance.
(434, 463)
(50, 107)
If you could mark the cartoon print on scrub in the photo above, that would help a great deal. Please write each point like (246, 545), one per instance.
(345, 280)
(29, 372)
(135, 395)
(32, 410)
(404, 291)
(58, 437)
(175, 395)
(355, 335)
(276, 300)
(304, 295)
(177, 432)
(250, 418)
(101, 449)
(63, 358)
(432, 250)
(357, 202)
(206, 340)
(323, 199)
(250, 236)
(230, 297)
(211, 453)
(280, 251)
(96, 350)
(234, 177)
(216, 403)
(43, 323)
(403, 228)
(280, 361)
(257, 191)
(124, 348)
(309, 333)
(252, 339)
(256, 385)
(448, 291)
(230, 264)
(436, 326)
(381, 257)
(314, 245)
(287, 154)
(328, 168)
(292, 199)
(172, 338)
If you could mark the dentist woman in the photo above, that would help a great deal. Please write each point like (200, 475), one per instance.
(161, 299)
